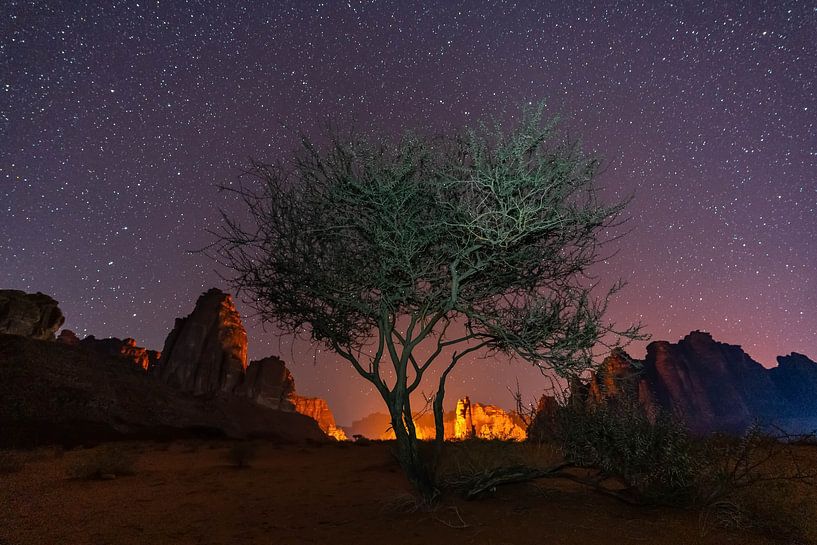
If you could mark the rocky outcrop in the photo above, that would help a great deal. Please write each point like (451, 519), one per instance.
(486, 422)
(464, 423)
(317, 409)
(796, 378)
(544, 423)
(121, 348)
(268, 382)
(713, 386)
(55, 393)
(206, 352)
(32, 315)
(68, 337)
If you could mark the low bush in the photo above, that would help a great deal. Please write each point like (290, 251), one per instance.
(104, 462)
(242, 454)
(652, 455)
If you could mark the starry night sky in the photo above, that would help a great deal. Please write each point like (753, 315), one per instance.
(117, 120)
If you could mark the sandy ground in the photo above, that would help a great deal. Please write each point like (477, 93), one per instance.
(186, 493)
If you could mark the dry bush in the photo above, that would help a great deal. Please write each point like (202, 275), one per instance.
(10, 462)
(242, 454)
(651, 455)
(104, 462)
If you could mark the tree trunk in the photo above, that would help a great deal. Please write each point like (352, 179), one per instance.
(439, 424)
(408, 451)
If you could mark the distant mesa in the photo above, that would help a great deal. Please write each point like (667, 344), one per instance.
(713, 386)
(32, 315)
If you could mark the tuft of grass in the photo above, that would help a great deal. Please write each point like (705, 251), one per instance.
(105, 462)
(10, 462)
(242, 454)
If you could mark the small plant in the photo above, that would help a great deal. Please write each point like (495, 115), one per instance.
(105, 462)
(10, 463)
(242, 454)
(652, 455)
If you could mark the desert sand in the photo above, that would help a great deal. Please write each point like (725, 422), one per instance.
(344, 493)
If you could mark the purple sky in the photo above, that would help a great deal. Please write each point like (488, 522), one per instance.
(117, 120)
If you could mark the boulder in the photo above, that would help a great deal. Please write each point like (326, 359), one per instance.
(268, 382)
(32, 315)
(68, 337)
(206, 352)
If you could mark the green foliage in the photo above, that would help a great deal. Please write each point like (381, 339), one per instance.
(103, 462)
(375, 246)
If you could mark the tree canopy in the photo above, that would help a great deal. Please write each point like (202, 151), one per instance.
(373, 247)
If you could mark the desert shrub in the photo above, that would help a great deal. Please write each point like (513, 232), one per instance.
(242, 454)
(107, 461)
(652, 455)
(761, 482)
(10, 462)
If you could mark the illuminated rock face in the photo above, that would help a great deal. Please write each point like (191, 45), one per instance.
(317, 409)
(123, 348)
(206, 351)
(32, 315)
(464, 425)
(491, 422)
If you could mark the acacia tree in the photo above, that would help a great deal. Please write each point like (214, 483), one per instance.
(477, 241)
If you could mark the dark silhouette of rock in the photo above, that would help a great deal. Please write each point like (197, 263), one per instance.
(55, 393)
(714, 386)
(543, 426)
(122, 348)
(68, 337)
(268, 382)
(33, 315)
(796, 378)
(206, 352)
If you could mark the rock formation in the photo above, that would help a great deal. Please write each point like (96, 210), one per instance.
(317, 409)
(486, 422)
(268, 382)
(56, 393)
(796, 378)
(714, 386)
(122, 348)
(33, 315)
(464, 424)
(206, 352)
(68, 337)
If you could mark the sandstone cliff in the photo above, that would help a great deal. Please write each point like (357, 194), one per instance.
(206, 352)
(33, 315)
(317, 409)
(714, 386)
(486, 422)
